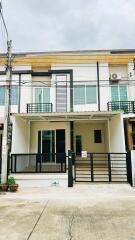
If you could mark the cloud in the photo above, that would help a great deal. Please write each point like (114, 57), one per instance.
(40, 25)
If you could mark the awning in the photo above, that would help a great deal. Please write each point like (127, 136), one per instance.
(71, 116)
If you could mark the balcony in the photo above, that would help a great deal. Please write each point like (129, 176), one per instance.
(39, 107)
(126, 106)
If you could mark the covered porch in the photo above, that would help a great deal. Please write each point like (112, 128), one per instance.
(40, 141)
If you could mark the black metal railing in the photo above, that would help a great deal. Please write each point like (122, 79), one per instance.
(39, 107)
(126, 106)
(101, 167)
(38, 163)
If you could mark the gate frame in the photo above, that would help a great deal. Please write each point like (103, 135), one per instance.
(128, 173)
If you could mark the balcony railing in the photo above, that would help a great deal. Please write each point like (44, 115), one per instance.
(126, 106)
(39, 107)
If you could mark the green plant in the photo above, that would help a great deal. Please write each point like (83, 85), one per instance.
(11, 181)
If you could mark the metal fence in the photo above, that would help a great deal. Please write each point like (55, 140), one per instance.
(126, 106)
(38, 163)
(101, 167)
(39, 107)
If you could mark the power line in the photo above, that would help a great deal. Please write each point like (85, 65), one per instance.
(3, 20)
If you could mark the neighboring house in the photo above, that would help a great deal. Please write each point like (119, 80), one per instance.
(64, 101)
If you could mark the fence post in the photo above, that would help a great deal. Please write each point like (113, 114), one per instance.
(129, 168)
(70, 169)
(109, 167)
(91, 167)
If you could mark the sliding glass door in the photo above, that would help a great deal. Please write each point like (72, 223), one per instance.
(51, 143)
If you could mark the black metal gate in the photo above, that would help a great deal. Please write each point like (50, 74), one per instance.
(102, 167)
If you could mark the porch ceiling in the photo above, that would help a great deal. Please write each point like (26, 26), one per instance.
(71, 116)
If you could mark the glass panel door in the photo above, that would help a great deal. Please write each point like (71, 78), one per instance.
(60, 145)
(51, 143)
(48, 145)
(46, 98)
(115, 97)
(46, 95)
(123, 98)
(123, 93)
(38, 99)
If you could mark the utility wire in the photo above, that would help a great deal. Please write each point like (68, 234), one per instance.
(3, 20)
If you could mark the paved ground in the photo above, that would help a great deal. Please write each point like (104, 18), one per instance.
(85, 212)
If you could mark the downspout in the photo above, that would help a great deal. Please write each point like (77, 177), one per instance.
(109, 139)
(98, 86)
(71, 91)
(19, 93)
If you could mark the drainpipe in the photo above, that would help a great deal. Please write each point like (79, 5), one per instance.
(98, 86)
(71, 91)
(19, 93)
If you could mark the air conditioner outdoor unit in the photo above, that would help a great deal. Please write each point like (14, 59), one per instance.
(115, 76)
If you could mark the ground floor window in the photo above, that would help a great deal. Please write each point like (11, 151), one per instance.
(97, 136)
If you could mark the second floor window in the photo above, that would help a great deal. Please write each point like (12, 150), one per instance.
(85, 94)
(42, 95)
(119, 93)
(2, 95)
(14, 95)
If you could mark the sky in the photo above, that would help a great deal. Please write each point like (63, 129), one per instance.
(57, 25)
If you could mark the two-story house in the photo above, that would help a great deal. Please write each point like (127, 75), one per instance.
(82, 101)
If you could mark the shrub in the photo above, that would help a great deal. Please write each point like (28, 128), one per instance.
(11, 181)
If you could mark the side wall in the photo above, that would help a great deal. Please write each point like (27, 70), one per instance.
(20, 136)
(133, 166)
(117, 142)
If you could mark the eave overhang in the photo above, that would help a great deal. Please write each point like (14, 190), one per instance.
(68, 117)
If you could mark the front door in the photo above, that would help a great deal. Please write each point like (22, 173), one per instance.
(51, 143)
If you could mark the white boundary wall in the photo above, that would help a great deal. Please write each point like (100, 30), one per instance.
(133, 166)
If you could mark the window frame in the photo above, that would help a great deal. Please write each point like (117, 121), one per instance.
(85, 94)
(17, 97)
(42, 94)
(118, 85)
(13, 101)
(100, 138)
(3, 102)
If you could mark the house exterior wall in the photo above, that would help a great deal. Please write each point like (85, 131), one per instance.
(117, 142)
(38, 126)
(82, 74)
(133, 166)
(20, 136)
(86, 130)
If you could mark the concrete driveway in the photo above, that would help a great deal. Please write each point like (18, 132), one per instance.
(85, 212)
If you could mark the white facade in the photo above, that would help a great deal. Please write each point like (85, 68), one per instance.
(83, 74)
